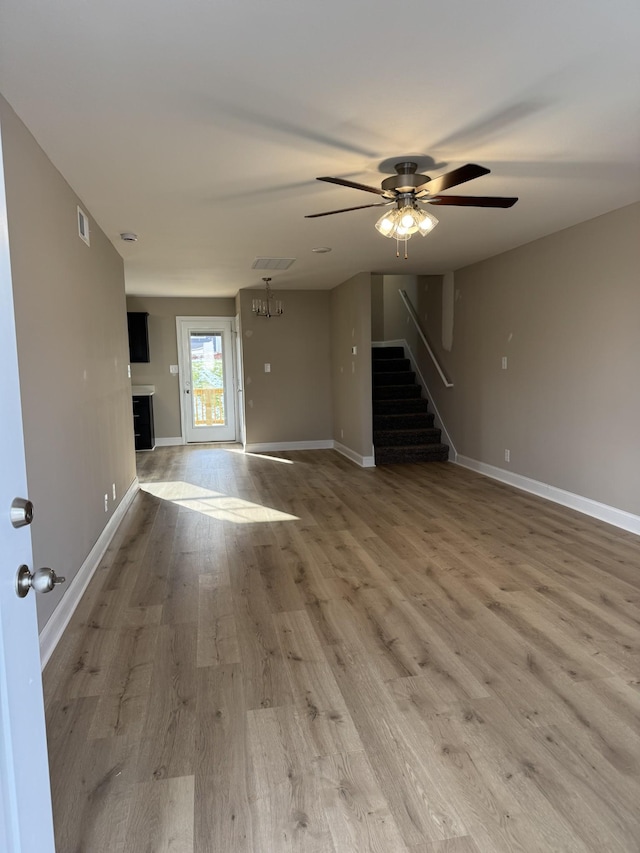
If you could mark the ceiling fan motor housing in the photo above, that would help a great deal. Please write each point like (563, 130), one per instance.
(406, 181)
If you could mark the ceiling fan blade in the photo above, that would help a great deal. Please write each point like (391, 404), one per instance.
(346, 209)
(452, 179)
(344, 183)
(472, 200)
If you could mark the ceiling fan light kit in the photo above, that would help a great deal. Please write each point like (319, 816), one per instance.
(409, 190)
(403, 222)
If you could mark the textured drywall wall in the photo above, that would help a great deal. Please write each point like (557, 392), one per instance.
(565, 312)
(351, 373)
(292, 402)
(73, 353)
(163, 351)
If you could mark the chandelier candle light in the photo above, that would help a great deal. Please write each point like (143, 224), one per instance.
(267, 307)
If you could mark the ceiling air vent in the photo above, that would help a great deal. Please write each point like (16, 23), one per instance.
(272, 263)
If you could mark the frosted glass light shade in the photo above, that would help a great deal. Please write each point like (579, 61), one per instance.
(426, 222)
(403, 222)
(386, 224)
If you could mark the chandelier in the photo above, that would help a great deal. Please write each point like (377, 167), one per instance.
(267, 307)
(406, 220)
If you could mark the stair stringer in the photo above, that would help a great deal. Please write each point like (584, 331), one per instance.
(453, 454)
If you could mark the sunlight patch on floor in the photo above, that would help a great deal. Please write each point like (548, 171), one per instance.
(258, 455)
(215, 504)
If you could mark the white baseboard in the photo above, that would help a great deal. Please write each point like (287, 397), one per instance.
(325, 444)
(453, 455)
(265, 447)
(59, 619)
(595, 509)
(362, 461)
(169, 442)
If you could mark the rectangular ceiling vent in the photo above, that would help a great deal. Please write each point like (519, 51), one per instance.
(272, 263)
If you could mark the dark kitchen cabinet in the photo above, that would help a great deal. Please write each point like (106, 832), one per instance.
(143, 428)
(138, 336)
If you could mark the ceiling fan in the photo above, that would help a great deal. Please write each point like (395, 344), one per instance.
(408, 190)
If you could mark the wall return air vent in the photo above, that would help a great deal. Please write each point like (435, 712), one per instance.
(272, 263)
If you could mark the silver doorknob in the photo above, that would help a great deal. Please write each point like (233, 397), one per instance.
(21, 512)
(42, 580)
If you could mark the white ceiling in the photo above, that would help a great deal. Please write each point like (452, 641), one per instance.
(201, 124)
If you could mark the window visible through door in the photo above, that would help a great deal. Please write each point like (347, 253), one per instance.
(207, 379)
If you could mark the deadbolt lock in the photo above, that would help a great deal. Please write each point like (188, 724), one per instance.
(42, 580)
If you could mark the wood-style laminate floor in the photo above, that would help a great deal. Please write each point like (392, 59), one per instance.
(295, 654)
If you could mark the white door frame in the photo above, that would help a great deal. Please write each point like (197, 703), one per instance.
(241, 429)
(26, 823)
(184, 325)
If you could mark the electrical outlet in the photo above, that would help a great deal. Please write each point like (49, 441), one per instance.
(504, 362)
(507, 456)
(106, 503)
(267, 368)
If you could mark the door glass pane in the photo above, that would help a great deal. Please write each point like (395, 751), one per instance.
(207, 384)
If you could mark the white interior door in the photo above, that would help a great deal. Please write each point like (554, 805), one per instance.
(207, 378)
(26, 824)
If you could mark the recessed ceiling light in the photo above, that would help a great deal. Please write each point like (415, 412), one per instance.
(321, 250)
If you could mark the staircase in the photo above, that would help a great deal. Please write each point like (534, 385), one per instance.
(403, 429)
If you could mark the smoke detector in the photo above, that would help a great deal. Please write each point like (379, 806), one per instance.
(128, 237)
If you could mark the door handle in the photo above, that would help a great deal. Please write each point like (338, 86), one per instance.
(21, 512)
(42, 580)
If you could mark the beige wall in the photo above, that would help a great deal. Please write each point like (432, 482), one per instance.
(73, 354)
(397, 324)
(377, 307)
(293, 401)
(351, 374)
(163, 351)
(565, 311)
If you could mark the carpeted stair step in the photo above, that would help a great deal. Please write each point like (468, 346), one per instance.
(392, 407)
(406, 420)
(390, 365)
(381, 353)
(405, 377)
(403, 429)
(405, 437)
(413, 453)
(396, 392)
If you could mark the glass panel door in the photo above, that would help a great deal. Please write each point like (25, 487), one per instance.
(207, 378)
